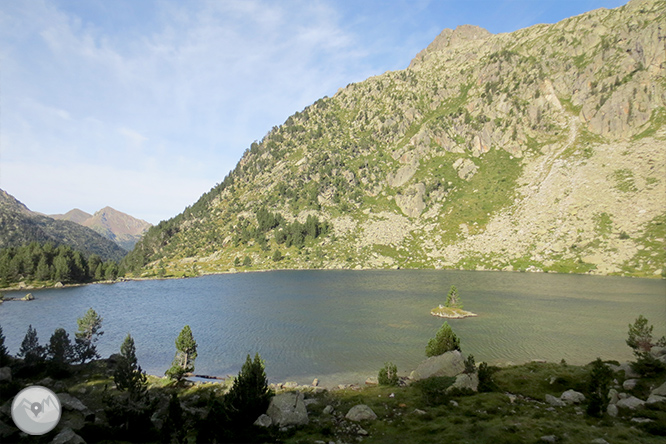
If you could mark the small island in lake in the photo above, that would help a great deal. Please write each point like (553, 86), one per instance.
(453, 308)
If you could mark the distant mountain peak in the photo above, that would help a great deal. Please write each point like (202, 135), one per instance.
(75, 215)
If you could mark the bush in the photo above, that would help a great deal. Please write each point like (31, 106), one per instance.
(640, 340)
(388, 375)
(470, 365)
(433, 390)
(277, 256)
(445, 340)
(247, 261)
(486, 383)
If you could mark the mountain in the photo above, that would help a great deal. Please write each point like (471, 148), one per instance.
(74, 215)
(19, 226)
(121, 228)
(540, 150)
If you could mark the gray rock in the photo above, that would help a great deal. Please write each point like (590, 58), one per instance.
(631, 403)
(572, 397)
(659, 391)
(315, 382)
(641, 420)
(658, 351)
(264, 421)
(449, 364)
(466, 168)
(71, 403)
(5, 374)
(411, 200)
(556, 402)
(287, 409)
(67, 436)
(549, 438)
(419, 412)
(453, 403)
(599, 441)
(465, 381)
(629, 384)
(372, 380)
(329, 409)
(360, 412)
(612, 410)
(626, 367)
(290, 384)
(613, 397)
(654, 399)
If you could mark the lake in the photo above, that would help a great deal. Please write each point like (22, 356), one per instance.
(341, 326)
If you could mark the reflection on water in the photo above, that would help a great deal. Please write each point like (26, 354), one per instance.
(343, 325)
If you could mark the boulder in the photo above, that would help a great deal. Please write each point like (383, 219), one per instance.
(572, 397)
(613, 396)
(5, 374)
(329, 409)
(263, 421)
(658, 351)
(660, 391)
(67, 436)
(58, 285)
(612, 410)
(449, 364)
(360, 412)
(71, 403)
(654, 399)
(626, 367)
(631, 403)
(28, 297)
(629, 384)
(288, 409)
(465, 381)
(549, 438)
(555, 402)
(599, 441)
(372, 380)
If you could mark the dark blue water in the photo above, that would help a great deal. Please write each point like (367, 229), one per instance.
(343, 325)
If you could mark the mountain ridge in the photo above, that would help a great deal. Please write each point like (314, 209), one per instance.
(479, 155)
(20, 226)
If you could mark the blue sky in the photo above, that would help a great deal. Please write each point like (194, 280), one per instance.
(145, 105)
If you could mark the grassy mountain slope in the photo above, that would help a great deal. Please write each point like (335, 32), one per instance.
(20, 226)
(542, 149)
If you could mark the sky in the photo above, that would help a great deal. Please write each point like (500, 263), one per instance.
(146, 105)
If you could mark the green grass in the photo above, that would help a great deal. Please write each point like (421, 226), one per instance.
(652, 258)
(624, 180)
(656, 122)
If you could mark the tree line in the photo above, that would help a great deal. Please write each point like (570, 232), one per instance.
(47, 262)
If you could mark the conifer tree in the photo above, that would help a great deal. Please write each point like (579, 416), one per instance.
(4, 354)
(186, 353)
(128, 375)
(453, 299)
(90, 329)
(30, 350)
(60, 350)
(249, 396)
(444, 341)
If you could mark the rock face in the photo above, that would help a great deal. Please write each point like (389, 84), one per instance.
(360, 412)
(449, 364)
(659, 391)
(263, 421)
(288, 409)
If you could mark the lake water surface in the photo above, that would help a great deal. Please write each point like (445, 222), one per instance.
(341, 326)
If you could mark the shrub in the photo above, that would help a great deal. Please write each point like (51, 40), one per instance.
(433, 390)
(640, 340)
(388, 375)
(486, 383)
(470, 365)
(247, 261)
(445, 340)
(277, 256)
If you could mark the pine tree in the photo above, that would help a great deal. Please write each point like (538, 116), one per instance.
(89, 332)
(453, 299)
(30, 350)
(173, 431)
(186, 353)
(444, 341)
(249, 396)
(60, 350)
(597, 388)
(4, 353)
(128, 375)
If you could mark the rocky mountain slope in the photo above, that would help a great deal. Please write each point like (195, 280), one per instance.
(115, 225)
(541, 149)
(20, 226)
